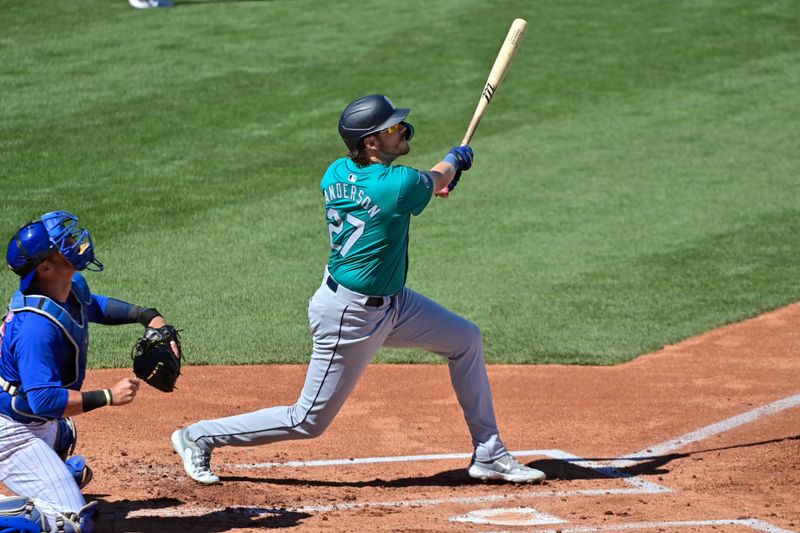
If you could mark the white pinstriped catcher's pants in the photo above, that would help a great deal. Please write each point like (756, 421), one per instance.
(30, 467)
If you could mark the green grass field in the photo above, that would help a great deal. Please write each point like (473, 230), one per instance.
(637, 176)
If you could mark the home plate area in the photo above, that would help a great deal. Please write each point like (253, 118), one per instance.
(578, 497)
(477, 504)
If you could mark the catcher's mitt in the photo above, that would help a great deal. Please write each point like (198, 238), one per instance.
(153, 358)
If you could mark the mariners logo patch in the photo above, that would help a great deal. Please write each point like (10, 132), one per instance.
(426, 180)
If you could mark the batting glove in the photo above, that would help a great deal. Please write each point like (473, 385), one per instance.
(460, 157)
(454, 181)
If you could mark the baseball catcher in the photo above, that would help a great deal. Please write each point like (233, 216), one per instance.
(44, 350)
(157, 357)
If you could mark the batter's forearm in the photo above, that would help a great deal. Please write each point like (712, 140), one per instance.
(442, 173)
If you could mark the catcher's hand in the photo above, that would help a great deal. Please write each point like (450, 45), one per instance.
(157, 357)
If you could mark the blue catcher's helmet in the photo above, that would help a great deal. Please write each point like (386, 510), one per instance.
(35, 241)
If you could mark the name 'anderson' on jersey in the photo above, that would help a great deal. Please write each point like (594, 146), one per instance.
(368, 211)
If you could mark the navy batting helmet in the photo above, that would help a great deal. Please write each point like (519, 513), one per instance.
(57, 230)
(370, 114)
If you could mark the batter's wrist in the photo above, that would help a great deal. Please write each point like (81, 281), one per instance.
(451, 160)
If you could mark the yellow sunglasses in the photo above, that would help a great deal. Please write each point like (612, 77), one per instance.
(392, 129)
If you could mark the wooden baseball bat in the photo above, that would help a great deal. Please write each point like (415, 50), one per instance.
(498, 72)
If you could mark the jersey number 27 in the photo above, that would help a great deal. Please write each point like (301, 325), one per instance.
(336, 226)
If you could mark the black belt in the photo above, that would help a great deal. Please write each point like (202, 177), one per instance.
(372, 301)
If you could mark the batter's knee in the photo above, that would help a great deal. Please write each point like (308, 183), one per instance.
(471, 336)
(468, 344)
(311, 420)
(311, 428)
(474, 334)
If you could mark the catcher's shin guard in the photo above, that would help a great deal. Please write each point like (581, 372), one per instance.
(19, 514)
(80, 470)
(18, 524)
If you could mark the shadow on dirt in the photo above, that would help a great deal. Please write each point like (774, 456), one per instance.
(114, 517)
(555, 469)
(645, 466)
(448, 478)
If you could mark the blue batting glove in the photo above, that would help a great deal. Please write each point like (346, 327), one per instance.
(460, 157)
(454, 181)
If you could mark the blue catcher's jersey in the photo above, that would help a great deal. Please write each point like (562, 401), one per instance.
(44, 346)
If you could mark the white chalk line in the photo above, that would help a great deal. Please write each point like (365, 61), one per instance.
(758, 525)
(612, 470)
(709, 431)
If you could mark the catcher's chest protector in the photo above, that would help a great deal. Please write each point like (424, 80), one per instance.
(76, 332)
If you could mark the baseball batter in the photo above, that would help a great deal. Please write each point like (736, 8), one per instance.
(363, 303)
(44, 342)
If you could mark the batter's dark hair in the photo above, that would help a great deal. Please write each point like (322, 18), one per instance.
(359, 155)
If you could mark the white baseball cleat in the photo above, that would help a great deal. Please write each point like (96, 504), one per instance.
(506, 468)
(149, 4)
(196, 462)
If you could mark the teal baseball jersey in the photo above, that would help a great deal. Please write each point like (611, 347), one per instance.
(368, 212)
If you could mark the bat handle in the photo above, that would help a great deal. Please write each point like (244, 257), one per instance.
(468, 136)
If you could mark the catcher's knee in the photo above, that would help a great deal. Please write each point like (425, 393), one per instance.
(19, 514)
(66, 438)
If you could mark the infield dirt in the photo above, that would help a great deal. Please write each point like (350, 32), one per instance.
(751, 471)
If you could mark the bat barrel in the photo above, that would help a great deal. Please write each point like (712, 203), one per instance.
(510, 45)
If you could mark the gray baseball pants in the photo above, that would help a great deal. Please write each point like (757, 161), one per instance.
(347, 334)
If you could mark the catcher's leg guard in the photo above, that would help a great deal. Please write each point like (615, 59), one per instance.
(80, 470)
(66, 438)
(19, 514)
(80, 522)
(18, 524)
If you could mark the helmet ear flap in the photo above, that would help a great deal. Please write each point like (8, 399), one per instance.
(29, 246)
(409, 130)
